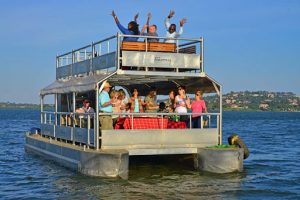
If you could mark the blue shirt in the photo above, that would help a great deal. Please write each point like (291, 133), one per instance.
(103, 98)
(127, 32)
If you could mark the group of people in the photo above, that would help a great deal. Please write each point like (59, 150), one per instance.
(113, 101)
(133, 28)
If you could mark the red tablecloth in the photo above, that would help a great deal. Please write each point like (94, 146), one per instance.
(142, 123)
(179, 125)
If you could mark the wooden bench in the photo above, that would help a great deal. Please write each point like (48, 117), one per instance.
(188, 50)
(151, 46)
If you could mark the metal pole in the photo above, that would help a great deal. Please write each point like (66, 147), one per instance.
(74, 108)
(202, 54)
(96, 137)
(42, 107)
(118, 51)
(220, 121)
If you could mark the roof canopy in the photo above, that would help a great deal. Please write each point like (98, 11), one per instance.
(138, 80)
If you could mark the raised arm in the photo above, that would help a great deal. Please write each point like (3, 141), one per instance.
(136, 17)
(121, 28)
(167, 20)
(182, 22)
(115, 17)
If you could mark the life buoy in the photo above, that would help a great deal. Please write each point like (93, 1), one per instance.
(236, 140)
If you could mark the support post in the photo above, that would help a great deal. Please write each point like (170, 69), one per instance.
(96, 137)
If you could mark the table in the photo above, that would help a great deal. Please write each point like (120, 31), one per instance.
(142, 123)
(176, 125)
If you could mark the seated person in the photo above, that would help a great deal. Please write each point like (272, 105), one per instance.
(151, 30)
(86, 108)
(132, 29)
(171, 28)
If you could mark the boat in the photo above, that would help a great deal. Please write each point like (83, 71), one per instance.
(80, 73)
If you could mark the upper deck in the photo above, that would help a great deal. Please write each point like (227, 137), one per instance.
(113, 54)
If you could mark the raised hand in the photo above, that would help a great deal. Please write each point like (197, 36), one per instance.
(171, 14)
(113, 13)
(136, 17)
(182, 21)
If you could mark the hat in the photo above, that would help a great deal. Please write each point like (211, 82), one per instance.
(107, 85)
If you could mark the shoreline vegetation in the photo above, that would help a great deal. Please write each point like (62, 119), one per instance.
(232, 101)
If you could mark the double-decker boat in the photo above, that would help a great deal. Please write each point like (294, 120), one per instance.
(63, 137)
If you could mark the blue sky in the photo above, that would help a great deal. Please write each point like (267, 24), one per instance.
(249, 45)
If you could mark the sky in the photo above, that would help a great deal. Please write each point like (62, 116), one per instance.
(248, 45)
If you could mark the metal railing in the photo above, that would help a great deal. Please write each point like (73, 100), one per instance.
(87, 121)
(89, 58)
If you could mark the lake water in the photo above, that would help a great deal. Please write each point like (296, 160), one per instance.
(271, 172)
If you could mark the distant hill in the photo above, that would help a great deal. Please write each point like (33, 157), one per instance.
(233, 101)
(256, 101)
(8, 105)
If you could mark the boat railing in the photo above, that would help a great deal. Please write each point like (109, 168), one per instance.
(78, 128)
(106, 55)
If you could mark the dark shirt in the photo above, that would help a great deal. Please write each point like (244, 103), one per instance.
(151, 39)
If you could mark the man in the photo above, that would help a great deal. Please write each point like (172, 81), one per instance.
(105, 106)
(171, 28)
(86, 108)
(151, 30)
(150, 101)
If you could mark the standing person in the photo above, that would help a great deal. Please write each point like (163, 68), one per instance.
(136, 103)
(151, 101)
(170, 103)
(171, 28)
(198, 106)
(132, 28)
(151, 30)
(182, 103)
(105, 106)
(116, 104)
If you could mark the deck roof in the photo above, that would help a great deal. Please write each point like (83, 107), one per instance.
(143, 81)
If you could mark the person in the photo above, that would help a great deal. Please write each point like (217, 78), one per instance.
(136, 103)
(105, 106)
(151, 30)
(170, 103)
(198, 106)
(182, 103)
(171, 28)
(116, 104)
(132, 28)
(86, 108)
(151, 101)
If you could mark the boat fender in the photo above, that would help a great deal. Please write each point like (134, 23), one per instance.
(236, 140)
(35, 130)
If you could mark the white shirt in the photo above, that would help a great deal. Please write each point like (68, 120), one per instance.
(174, 34)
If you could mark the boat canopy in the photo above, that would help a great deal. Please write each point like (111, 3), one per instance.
(136, 80)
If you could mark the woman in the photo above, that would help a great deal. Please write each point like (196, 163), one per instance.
(170, 104)
(198, 106)
(133, 28)
(136, 102)
(182, 103)
(116, 104)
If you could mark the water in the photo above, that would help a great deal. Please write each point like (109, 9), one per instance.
(271, 172)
